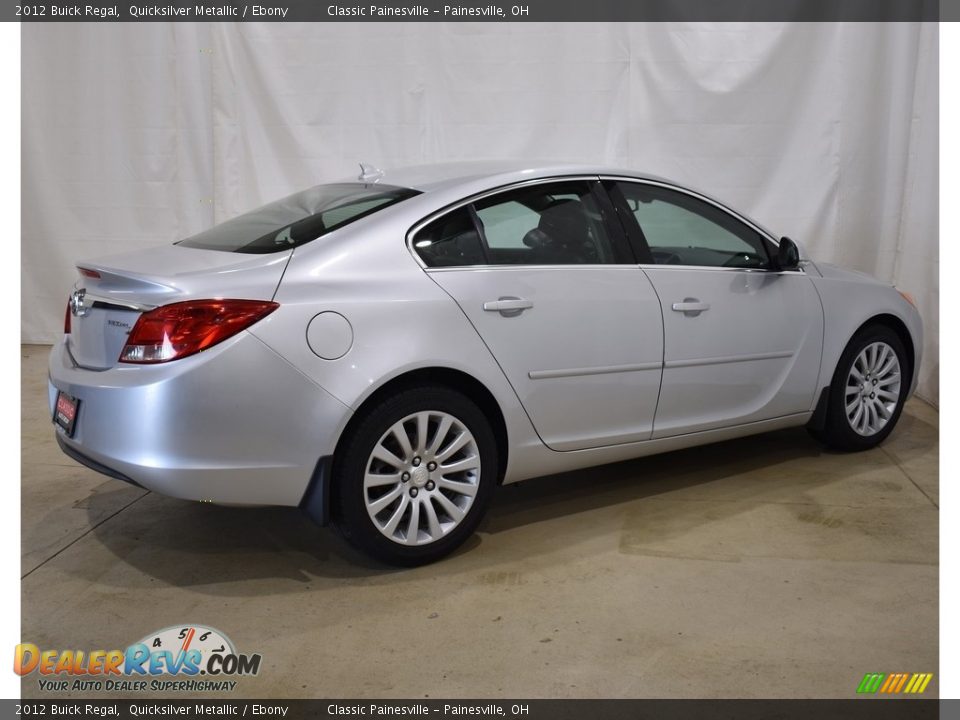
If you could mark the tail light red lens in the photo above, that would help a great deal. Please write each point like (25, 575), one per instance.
(175, 331)
(66, 320)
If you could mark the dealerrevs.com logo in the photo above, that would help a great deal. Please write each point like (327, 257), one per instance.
(186, 658)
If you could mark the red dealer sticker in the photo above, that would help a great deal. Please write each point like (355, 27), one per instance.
(65, 414)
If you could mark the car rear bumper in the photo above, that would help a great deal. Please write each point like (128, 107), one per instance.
(234, 424)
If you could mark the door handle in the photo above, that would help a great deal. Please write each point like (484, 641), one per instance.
(691, 307)
(508, 306)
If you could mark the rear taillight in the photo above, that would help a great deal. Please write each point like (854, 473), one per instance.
(66, 320)
(87, 272)
(185, 328)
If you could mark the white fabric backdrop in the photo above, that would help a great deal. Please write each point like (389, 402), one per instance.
(139, 134)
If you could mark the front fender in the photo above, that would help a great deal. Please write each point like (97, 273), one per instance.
(851, 300)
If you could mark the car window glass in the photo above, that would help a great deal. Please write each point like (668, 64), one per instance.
(683, 230)
(450, 241)
(548, 224)
(344, 213)
(505, 225)
(299, 218)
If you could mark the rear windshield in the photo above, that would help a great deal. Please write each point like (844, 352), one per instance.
(298, 219)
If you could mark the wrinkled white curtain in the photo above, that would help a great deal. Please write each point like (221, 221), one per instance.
(138, 134)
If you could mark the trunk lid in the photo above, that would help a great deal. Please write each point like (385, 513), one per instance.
(113, 291)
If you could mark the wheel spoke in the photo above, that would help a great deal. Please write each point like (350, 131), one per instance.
(881, 410)
(371, 480)
(857, 416)
(461, 440)
(413, 527)
(433, 523)
(400, 433)
(470, 463)
(871, 417)
(378, 505)
(865, 420)
(423, 425)
(391, 526)
(441, 434)
(887, 368)
(889, 380)
(887, 395)
(455, 513)
(881, 358)
(383, 455)
(461, 488)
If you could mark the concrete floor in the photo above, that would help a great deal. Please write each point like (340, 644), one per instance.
(763, 567)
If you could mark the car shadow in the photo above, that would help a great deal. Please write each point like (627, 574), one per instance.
(224, 550)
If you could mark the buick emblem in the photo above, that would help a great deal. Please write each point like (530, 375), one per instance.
(77, 308)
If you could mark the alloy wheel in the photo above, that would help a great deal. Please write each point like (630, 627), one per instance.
(421, 478)
(872, 389)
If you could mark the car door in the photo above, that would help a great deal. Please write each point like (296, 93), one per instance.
(742, 340)
(547, 278)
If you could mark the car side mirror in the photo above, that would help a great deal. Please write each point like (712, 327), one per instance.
(788, 255)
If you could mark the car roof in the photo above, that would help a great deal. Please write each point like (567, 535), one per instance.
(444, 176)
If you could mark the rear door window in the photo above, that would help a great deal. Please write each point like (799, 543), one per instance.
(548, 224)
(560, 223)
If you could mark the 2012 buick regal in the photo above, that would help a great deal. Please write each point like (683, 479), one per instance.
(384, 352)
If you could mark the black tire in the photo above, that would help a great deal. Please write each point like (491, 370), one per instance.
(837, 431)
(350, 515)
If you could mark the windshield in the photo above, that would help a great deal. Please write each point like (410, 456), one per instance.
(299, 218)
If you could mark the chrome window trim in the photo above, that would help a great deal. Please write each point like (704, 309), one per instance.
(701, 268)
(613, 266)
(414, 229)
(585, 266)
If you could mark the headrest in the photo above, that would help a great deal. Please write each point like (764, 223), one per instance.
(563, 224)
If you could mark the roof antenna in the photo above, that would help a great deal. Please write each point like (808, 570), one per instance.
(370, 173)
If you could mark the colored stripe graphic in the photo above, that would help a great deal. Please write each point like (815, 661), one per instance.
(870, 683)
(894, 683)
(919, 681)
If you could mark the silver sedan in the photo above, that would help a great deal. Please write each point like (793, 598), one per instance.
(383, 352)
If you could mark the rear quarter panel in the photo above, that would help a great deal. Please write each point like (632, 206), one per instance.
(400, 321)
